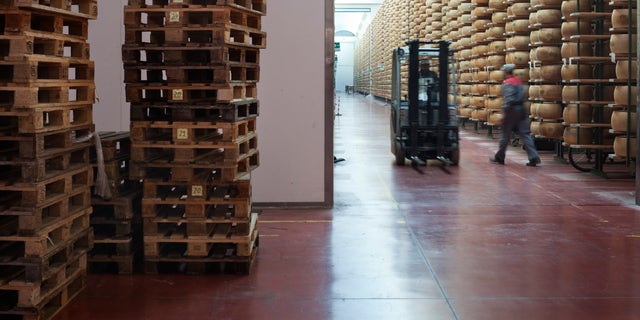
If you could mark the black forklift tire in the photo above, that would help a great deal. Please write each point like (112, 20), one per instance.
(400, 155)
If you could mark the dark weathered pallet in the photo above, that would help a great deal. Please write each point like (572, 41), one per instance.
(18, 22)
(101, 263)
(234, 111)
(222, 74)
(115, 246)
(189, 94)
(109, 228)
(124, 207)
(192, 36)
(222, 241)
(87, 9)
(205, 55)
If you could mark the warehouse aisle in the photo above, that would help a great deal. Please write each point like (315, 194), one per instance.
(483, 242)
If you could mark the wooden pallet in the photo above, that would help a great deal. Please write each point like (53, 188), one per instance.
(108, 228)
(256, 6)
(218, 170)
(14, 168)
(87, 9)
(15, 47)
(49, 94)
(189, 94)
(199, 188)
(42, 120)
(114, 246)
(234, 111)
(238, 208)
(222, 241)
(192, 133)
(17, 22)
(183, 154)
(221, 74)
(34, 68)
(202, 265)
(190, 16)
(193, 228)
(204, 55)
(55, 300)
(43, 145)
(51, 237)
(192, 36)
(103, 263)
(25, 221)
(119, 186)
(124, 207)
(41, 193)
(15, 265)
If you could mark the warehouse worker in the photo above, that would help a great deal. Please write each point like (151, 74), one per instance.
(515, 118)
(427, 93)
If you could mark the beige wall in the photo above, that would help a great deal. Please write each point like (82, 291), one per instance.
(291, 126)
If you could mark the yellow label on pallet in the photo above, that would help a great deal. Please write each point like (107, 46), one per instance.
(177, 1)
(177, 94)
(197, 191)
(182, 134)
(174, 16)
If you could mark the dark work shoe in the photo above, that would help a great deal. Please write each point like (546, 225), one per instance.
(533, 162)
(494, 160)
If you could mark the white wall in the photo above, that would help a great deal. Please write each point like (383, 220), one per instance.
(106, 36)
(344, 70)
(291, 126)
(291, 92)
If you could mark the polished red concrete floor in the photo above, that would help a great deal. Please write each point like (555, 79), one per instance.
(483, 242)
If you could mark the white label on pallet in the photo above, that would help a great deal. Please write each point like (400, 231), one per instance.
(197, 191)
(174, 16)
(182, 134)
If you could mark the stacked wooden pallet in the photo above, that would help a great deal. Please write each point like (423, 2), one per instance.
(46, 97)
(116, 220)
(191, 70)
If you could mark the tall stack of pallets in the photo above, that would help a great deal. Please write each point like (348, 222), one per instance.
(46, 98)
(191, 71)
(116, 219)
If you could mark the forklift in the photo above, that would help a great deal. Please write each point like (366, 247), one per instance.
(423, 124)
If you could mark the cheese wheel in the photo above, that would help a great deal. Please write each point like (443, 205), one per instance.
(577, 113)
